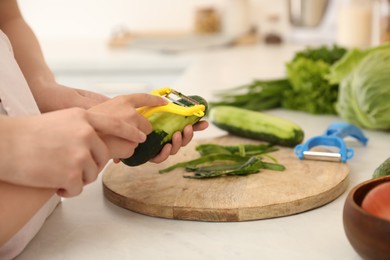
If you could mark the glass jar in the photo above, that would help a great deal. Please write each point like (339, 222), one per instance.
(237, 18)
(207, 20)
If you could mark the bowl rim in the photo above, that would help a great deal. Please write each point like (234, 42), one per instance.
(369, 185)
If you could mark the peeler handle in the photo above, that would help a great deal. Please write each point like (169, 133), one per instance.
(171, 107)
(342, 129)
(197, 110)
(333, 137)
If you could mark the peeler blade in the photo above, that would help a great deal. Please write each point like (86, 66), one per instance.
(322, 156)
(181, 95)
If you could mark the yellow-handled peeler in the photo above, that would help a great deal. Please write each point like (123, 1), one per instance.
(189, 107)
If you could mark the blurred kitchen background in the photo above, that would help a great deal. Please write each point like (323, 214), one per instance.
(93, 32)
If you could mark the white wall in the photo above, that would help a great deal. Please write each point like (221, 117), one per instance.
(97, 18)
(56, 19)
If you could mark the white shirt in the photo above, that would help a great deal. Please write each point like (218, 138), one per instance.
(16, 99)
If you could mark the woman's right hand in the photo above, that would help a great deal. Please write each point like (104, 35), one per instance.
(125, 108)
(62, 150)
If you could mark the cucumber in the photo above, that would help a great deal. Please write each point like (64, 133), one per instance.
(383, 169)
(256, 125)
(164, 126)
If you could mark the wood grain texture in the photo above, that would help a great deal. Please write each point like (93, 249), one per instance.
(304, 185)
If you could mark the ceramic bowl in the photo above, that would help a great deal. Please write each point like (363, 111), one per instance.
(369, 235)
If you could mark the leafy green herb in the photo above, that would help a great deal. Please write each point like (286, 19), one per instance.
(311, 91)
(305, 88)
(207, 159)
(258, 95)
(252, 165)
(218, 161)
(250, 149)
(326, 54)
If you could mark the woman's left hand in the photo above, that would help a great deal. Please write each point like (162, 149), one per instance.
(179, 140)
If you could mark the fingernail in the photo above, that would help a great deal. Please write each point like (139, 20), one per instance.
(142, 137)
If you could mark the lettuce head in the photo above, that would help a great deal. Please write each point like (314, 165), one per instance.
(364, 93)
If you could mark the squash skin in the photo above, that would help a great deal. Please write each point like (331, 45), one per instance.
(164, 126)
(146, 150)
(383, 169)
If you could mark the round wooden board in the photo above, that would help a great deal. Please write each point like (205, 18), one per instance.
(304, 185)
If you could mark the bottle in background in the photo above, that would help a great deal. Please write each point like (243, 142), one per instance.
(273, 32)
(355, 23)
(237, 18)
(381, 22)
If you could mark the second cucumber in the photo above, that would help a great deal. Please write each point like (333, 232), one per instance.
(256, 125)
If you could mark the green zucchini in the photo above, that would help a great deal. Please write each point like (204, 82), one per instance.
(256, 125)
(383, 169)
(164, 126)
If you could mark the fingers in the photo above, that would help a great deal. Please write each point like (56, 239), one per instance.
(62, 193)
(90, 163)
(75, 186)
(116, 160)
(188, 134)
(120, 137)
(201, 125)
(100, 155)
(115, 127)
(89, 153)
(124, 107)
(174, 147)
(177, 143)
(143, 124)
(179, 140)
(141, 100)
(90, 169)
(119, 148)
(163, 155)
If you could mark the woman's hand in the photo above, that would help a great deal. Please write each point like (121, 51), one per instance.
(62, 150)
(179, 140)
(124, 108)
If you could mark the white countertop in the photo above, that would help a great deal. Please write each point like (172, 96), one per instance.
(90, 227)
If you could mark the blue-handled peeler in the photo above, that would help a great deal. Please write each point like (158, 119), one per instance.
(333, 137)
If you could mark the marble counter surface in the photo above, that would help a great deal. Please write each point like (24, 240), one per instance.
(90, 227)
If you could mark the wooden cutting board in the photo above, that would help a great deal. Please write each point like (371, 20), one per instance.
(304, 185)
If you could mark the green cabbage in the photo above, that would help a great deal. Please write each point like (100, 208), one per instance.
(364, 93)
(342, 67)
